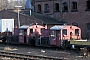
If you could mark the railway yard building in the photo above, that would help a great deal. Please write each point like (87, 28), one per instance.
(74, 12)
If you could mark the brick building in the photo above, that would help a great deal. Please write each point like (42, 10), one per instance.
(76, 12)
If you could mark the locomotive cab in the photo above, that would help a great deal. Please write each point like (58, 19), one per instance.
(55, 37)
(23, 34)
(61, 35)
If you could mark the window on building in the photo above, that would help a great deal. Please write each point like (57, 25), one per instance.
(76, 31)
(31, 31)
(65, 6)
(64, 31)
(74, 6)
(75, 24)
(39, 8)
(46, 8)
(88, 5)
(56, 7)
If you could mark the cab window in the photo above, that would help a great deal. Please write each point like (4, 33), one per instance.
(64, 31)
(52, 33)
(76, 31)
(31, 31)
(20, 32)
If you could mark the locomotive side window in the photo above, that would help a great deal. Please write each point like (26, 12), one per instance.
(64, 31)
(52, 34)
(21, 32)
(58, 33)
(76, 31)
(31, 31)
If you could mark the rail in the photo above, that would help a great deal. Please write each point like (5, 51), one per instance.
(26, 57)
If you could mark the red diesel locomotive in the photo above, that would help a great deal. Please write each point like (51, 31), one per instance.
(38, 35)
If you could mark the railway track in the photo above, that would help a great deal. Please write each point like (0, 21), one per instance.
(25, 52)
(19, 56)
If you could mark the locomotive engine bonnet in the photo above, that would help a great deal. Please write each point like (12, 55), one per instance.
(60, 33)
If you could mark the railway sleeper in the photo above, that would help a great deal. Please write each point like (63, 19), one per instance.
(18, 57)
(25, 56)
(30, 57)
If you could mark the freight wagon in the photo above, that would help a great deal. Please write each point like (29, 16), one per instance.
(6, 28)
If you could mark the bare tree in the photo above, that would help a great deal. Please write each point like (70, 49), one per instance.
(10, 4)
(3, 4)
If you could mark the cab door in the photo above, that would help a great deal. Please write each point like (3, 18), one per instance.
(25, 35)
(52, 37)
(21, 36)
(58, 38)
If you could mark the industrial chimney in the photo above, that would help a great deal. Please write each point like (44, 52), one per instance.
(28, 5)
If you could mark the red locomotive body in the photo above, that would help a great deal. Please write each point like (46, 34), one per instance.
(58, 35)
(26, 34)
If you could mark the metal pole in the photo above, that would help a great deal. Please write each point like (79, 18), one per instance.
(18, 15)
(18, 18)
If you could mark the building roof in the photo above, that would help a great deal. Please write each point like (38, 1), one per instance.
(45, 19)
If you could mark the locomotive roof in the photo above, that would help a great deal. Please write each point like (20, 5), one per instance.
(57, 27)
(23, 27)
